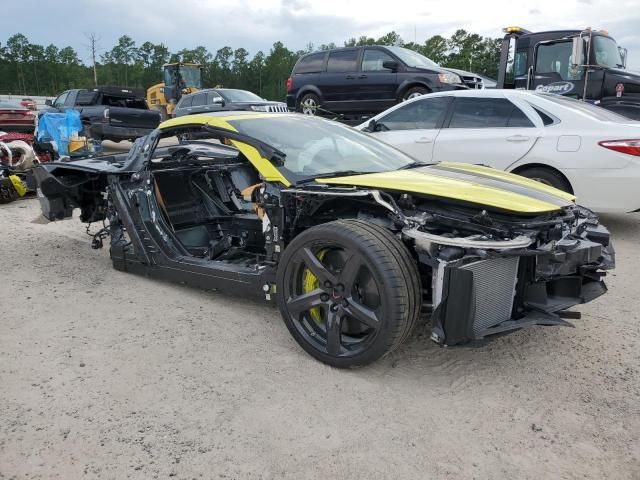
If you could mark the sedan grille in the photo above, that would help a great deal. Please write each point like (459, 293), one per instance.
(277, 109)
(494, 284)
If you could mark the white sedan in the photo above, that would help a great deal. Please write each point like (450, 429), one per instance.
(571, 145)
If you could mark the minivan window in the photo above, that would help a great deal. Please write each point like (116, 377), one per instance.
(411, 58)
(343, 61)
(487, 113)
(311, 63)
(372, 61)
(421, 114)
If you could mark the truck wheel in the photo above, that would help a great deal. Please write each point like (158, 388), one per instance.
(548, 176)
(309, 104)
(349, 292)
(414, 92)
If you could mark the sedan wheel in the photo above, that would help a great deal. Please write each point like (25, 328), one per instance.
(348, 292)
(547, 176)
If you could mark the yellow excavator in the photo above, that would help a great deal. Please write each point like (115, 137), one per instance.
(179, 79)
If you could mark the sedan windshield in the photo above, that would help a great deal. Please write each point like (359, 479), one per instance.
(316, 147)
(411, 58)
(233, 96)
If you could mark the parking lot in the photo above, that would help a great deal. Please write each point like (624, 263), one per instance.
(110, 375)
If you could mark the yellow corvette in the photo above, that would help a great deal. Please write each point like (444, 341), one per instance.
(353, 239)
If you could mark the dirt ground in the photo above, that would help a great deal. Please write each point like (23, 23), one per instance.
(108, 375)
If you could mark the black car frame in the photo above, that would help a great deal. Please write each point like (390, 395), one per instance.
(351, 237)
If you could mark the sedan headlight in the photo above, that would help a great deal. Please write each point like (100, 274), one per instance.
(260, 108)
(449, 78)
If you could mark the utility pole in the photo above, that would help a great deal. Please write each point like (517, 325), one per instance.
(93, 48)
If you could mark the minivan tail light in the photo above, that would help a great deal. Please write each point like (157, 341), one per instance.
(289, 84)
(630, 147)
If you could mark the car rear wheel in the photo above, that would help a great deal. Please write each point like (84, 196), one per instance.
(547, 176)
(309, 104)
(413, 93)
(349, 292)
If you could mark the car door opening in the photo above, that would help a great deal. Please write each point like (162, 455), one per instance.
(199, 190)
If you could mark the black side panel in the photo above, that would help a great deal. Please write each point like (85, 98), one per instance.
(458, 307)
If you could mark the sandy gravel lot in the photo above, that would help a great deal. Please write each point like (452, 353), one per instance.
(108, 375)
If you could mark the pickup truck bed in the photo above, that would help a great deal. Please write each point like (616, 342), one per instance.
(110, 113)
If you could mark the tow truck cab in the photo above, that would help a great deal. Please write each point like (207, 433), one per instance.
(584, 64)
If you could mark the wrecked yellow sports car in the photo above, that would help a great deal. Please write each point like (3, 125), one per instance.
(352, 238)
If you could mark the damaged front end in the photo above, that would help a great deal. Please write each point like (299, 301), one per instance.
(493, 273)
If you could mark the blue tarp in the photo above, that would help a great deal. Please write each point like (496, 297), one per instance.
(59, 127)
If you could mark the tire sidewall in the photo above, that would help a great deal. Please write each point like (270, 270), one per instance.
(305, 97)
(310, 238)
(412, 90)
(551, 178)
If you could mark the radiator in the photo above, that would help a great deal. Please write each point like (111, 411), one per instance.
(494, 283)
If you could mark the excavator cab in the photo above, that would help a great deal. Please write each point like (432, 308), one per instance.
(178, 79)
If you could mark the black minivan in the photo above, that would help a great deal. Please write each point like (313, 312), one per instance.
(364, 80)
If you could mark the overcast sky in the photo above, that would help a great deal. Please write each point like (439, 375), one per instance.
(257, 24)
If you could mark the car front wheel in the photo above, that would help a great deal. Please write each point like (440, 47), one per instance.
(349, 292)
(413, 93)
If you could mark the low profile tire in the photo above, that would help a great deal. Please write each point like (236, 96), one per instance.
(309, 104)
(414, 92)
(547, 176)
(349, 292)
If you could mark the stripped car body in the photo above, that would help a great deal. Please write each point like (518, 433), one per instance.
(266, 213)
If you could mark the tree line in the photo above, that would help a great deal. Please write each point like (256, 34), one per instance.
(30, 69)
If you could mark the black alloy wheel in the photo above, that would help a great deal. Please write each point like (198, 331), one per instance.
(349, 292)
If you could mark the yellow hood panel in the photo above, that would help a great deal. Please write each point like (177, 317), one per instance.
(469, 183)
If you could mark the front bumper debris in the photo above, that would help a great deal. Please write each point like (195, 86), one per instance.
(488, 287)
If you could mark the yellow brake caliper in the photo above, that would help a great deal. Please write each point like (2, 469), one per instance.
(309, 284)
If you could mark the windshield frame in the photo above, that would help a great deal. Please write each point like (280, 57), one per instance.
(377, 148)
(409, 57)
